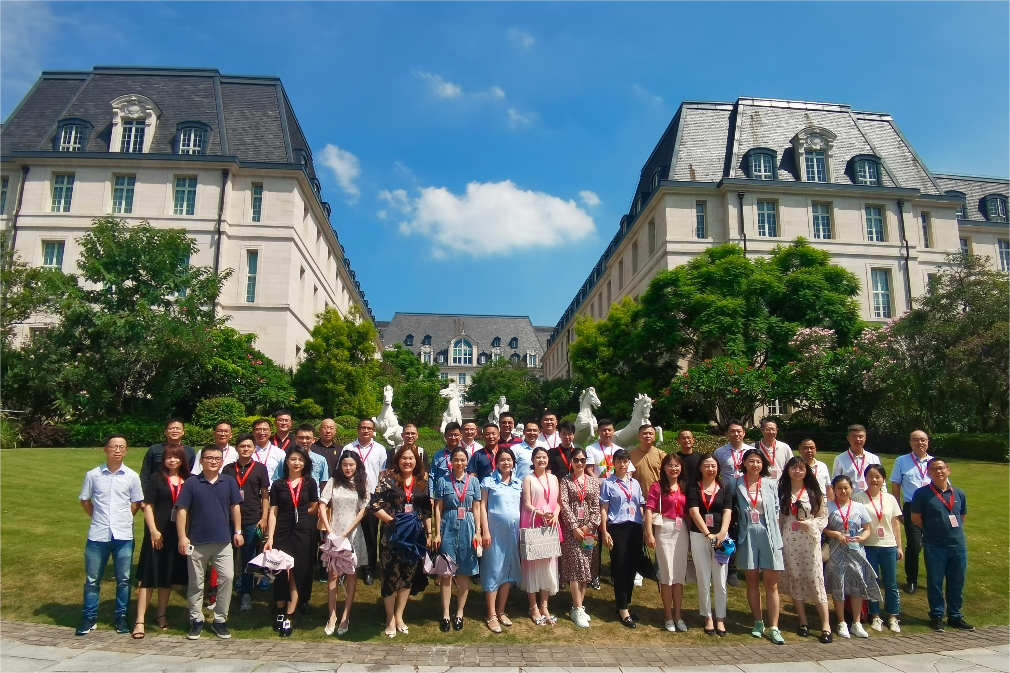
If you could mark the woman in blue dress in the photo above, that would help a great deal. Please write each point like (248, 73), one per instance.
(502, 494)
(457, 510)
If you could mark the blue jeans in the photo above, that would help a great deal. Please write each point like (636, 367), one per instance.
(246, 554)
(96, 557)
(950, 564)
(885, 563)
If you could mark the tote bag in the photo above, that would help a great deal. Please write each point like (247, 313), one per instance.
(539, 543)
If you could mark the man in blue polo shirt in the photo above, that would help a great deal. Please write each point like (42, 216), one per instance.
(111, 495)
(441, 460)
(910, 473)
(209, 521)
(939, 510)
(483, 462)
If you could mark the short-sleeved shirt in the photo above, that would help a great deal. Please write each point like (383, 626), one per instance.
(471, 448)
(331, 453)
(823, 475)
(721, 501)
(882, 511)
(691, 461)
(271, 456)
(621, 509)
(729, 460)
(647, 465)
(209, 506)
(446, 489)
(229, 453)
(253, 481)
(548, 442)
(320, 469)
(672, 505)
(936, 526)
(911, 473)
(524, 460)
(481, 464)
(112, 495)
(777, 456)
(857, 517)
(854, 467)
(559, 461)
(374, 458)
(601, 459)
(439, 467)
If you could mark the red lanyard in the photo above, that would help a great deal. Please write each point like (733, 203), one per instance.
(678, 505)
(922, 472)
(364, 456)
(408, 487)
(461, 496)
(175, 490)
(862, 464)
(708, 502)
(949, 507)
(757, 493)
(492, 457)
(775, 450)
(557, 440)
(737, 459)
(880, 514)
(845, 517)
(296, 493)
(238, 474)
(568, 463)
(256, 454)
(581, 490)
(799, 496)
(626, 491)
(547, 489)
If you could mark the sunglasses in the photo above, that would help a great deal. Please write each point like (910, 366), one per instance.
(578, 460)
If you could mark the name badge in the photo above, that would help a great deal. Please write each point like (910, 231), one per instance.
(880, 532)
(580, 512)
(631, 510)
(174, 510)
(408, 508)
(795, 526)
(862, 484)
(755, 516)
(953, 521)
(460, 513)
(774, 472)
(709, 520)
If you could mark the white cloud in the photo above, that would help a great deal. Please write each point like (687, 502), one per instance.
(496, 92)
(518, 119)
(491, 218)
(522, 38)
(651, 98)
(439, 86)
(346, 168)
(26, 33)
(589, 198)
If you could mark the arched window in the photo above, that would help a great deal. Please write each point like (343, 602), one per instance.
(515, 358)
(514, 342)
(426, 341)
(408, 340)
(191, 138)
(496, 342)
(866, 170)
(483, 358)
(761, 164)
(462, 352)
(72, 135)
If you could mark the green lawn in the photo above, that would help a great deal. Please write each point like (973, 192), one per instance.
(43, 529)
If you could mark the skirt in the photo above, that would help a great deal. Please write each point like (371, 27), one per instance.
(671, 551)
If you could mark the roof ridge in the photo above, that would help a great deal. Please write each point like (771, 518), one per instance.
(962, 176)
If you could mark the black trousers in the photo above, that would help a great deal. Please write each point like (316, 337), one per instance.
(370, 527)
(913, 545)
(625, 558)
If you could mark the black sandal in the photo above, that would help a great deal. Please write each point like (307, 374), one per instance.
(138, 635)
(163, 626)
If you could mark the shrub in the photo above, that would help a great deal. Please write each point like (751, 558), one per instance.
(137, 433)
(245, 423)
(196, 436)
(39, 434)
(430, 435)
(347, 422)
(989, 447)
(306, 409)
(213, 410)
(10, 432)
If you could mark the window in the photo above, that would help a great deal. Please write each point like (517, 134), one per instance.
(462, 378)
(426, 357)
(252, 260)
(816, 169)
(496, 342)
(700, 230)
(931, 283)
(4, 182)
(462, 352)
(71, 138)
(182, 291)
(822, 220)
(609, 295)
(514, 342)
(599, 304)
(531, 359)
(881, 282)
(52, 254)
(191, 140)
(482, 359)
(426, 341)
(965, 246)
(1003, 250)
(620, 275)
(634, 258)
(874, 224)
(444, 376)
(122, 194)
(867, 172)
(63, 192)
(133, 136)
(761, 167)
(767, 221)
(652, 237)
(961, 213)
(440, 358)
(637, 207)
(514, 358)
(925, 229)
(408, 340)
(996, 208)
(185, 196)
(257, 203)
(775, 408)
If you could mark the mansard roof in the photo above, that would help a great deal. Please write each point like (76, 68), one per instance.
(479, 329)
(975, 189)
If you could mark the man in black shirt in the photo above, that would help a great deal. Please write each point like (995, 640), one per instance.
(688, 456)
(255, 506)
(559, 459)
(282, 439)
(327, 447)
(174, 431)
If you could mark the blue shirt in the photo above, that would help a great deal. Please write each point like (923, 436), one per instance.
(112, 495)
(209, 506)
(524, 461)
(911, 473)
(936, 527)
(617, 502)
(447, 488)
(438, 468)
(320, 469)
(480, 464)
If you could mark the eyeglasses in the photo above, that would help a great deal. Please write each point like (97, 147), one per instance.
(210, 459)
(223, 430)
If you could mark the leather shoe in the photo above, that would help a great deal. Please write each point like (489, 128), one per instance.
(936, 624)
(803, 631)
(910, 588)
(959, 623)
(444, 626)
(628, 621)
(457, 624)
(369, 580)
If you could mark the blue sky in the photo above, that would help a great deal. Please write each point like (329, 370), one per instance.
(479, 157)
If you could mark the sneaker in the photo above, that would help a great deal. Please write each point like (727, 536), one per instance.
(759, 629)
(877, 624)
(220, 629)
(120, 625)
(682, 625)
(86, 627)
(858, 631)
(936, 623)
(892, 624)
(595, 584)
(580, 618)
(959, 623)
(670, 626)
(246, 603)
(732, 579)
(843, 630)
(264, 584)
(775, 636)
(638, 580)
(195, 629)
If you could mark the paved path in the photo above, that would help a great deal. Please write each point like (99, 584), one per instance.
(33, 647)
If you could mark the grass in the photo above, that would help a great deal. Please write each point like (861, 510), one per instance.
(43, 530)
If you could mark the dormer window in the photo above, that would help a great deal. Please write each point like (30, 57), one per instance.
(866, 170)
(426, 341)
(483, 358)
(514, 343)
(761, 164)
(408, 340)
(962, 210)
(191, 138)
(134, 120)
(813, 147)
(637, 208)
(514, 358)
(654, 185)
(71, 135)
(996, 208)
(496, 342)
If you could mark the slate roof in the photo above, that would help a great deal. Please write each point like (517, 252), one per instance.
(974, 189)
(479, 329)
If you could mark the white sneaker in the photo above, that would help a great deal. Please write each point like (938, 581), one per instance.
(670, 626)
(877, 624)
(892, 624)
(578, 616)
(638, 580)
(859, 631)
(843, 630)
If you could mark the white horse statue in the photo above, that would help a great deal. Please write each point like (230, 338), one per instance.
(499, 409)
(517, 431)
(627, 436)
(452, 412)
(386, 424)
(585, 422)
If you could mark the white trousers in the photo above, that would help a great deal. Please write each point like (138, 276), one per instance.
(710, 573)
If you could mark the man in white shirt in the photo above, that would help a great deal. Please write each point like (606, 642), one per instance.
(111, 496)
(373, 456)
(808, 452)
(548, 437)
(222, 440)
(600, 455)
(778, 453)
(730, 455)
(524, 451)
(853, 463)
(469, 442)
(266, 452)
(911, 472)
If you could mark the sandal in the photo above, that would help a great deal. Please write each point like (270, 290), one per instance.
(163, 622)
(504, 620)
(493, 625)
(138, 635)
(539, 620)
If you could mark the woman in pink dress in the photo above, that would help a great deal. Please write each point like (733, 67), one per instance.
(540, 507)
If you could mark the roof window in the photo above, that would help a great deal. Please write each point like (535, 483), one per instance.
(866, 170)
(72, 135)
(134, 121)
(191, 138)
(762, 164)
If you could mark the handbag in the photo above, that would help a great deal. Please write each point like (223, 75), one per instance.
(539, 543)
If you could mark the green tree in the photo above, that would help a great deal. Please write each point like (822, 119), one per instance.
(415, 387)
(233, 367)
(522, 388)
(25, 291)
(339, 370)
(730, 389)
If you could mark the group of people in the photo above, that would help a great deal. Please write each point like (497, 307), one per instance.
(532, 511)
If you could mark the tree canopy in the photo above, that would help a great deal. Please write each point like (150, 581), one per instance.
(415, 387)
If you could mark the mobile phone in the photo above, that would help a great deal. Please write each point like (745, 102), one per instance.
(189, 550)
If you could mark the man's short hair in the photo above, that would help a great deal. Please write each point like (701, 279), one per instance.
(113, 436)
(470, 421)
(366, 420)
(211, 447)
(228, 423)
(491, 425)
(245, 436)
(768, 419)
(546, 413)
(604, 422)
(174, 419)
(530, 422)
(935, 459)
(855, 427)
(645, 426)
(566, 425)
(306, 427)
(685, 430)
(506, 414)
(451, 427)
(732, 423)
(281, 412)
(260, 421)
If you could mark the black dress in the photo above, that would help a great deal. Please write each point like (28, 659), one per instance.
(166, 567)
(397, 574)
(295, 538)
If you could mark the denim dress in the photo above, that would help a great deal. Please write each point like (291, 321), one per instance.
(457, 534)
